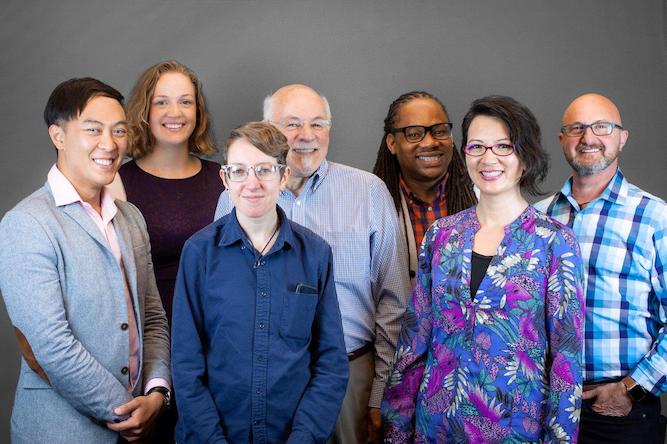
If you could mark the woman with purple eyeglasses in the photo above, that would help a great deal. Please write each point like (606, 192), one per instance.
(490, 349)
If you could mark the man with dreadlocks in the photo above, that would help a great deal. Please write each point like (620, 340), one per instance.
(417, 161)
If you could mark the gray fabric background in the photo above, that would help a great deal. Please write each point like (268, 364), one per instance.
(360, 54)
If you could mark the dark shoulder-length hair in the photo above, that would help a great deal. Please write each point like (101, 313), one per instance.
(139, 106)
(525, 135)
(458, 188)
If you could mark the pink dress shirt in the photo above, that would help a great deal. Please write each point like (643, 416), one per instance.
(64, 193)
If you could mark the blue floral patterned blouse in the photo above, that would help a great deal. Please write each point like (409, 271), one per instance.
(502, 366)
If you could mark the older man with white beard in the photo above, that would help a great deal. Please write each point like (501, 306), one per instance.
(353, 211)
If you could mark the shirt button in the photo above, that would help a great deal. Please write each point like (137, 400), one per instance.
(242, 247)
(262, 293)
(257, 421)
(258, 391)
(430, 208)
(298, 202)
(260, 358)
(124, 326)
(124, 370)
(261, 325)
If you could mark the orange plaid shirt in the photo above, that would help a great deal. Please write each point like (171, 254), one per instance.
(422, 214)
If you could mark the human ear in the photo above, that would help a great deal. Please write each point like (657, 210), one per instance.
(283, 180)
(223, 176)
(624, 138)
(391, 143)
(57, 134)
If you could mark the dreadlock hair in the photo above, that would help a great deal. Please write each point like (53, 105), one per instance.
(458, 188)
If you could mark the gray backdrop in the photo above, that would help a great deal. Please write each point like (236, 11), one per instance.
(361, 55)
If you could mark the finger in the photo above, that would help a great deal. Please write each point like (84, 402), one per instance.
(122, 426)
(127, 408)
(590, 394)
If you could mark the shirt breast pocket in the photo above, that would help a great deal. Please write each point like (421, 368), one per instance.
(298, 313)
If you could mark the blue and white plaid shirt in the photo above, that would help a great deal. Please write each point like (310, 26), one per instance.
(353, 211)
(623, 242)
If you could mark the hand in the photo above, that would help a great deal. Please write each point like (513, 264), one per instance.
(610, 399)
(374, 425)
(143, 411)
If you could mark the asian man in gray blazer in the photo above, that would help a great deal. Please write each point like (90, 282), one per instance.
(77, 279)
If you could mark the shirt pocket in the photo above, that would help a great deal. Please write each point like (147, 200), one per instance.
(31, 380)
(298, 315)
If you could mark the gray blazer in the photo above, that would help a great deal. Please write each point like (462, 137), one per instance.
(65, 293)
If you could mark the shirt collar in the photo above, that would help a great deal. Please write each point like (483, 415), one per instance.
(314, 181)
(528, 214)
(231, 231)
(439, 190)
(616, 190)
(319, 174)
(64, 193)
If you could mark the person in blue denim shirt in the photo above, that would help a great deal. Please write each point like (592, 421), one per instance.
(258, 349)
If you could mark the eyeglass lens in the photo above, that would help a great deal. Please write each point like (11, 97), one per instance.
(601, 128)
(417, 133)
(263, 171)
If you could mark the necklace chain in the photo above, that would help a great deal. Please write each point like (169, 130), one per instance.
(275, 230)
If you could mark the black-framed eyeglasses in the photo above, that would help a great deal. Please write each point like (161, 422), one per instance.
(238, 172)
(499, 149)
(416, 133)
(599, 128)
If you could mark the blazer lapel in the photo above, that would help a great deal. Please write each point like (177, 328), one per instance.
(78, 214)
(127, 253)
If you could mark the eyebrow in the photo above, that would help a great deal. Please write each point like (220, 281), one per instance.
(291, 116)
(166, 96)
(97, 122)
(495, 141)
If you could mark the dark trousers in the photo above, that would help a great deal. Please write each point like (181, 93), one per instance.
(643, 425)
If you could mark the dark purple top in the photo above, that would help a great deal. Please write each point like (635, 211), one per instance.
(174, 210)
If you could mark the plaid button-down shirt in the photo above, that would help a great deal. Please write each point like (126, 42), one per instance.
(423, 214)
(623, 242)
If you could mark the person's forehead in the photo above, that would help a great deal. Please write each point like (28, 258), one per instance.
(172, 79)
(242, 151)
(102, 108)
(591, 108)
(302, 104)
(421, 108)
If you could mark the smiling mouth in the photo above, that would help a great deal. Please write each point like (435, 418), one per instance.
(491, 174)
(104, 162)
(429, 158)
(306, 150)
(588, 149)
(173, 126)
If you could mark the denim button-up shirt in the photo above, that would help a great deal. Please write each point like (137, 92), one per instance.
(258, 352)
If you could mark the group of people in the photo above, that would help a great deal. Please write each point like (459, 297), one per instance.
(282, 297)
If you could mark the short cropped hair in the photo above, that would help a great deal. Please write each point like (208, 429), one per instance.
(70, 97)
(267, 108)
(139, 106)
(525, 135)
(263, 136)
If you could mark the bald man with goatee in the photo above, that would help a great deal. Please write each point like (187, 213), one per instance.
(622, 232)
